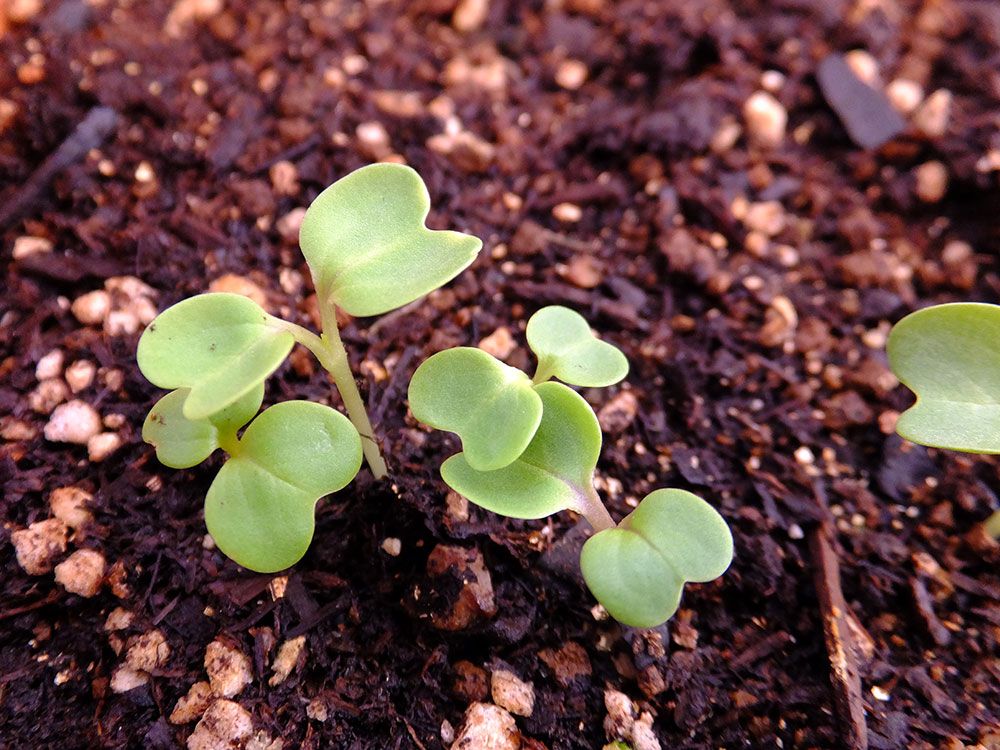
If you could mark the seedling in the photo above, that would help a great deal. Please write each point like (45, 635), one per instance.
(530, 448)
(949, 356)
(369, 252)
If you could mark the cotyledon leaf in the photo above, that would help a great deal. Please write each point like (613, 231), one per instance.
(489, 405)
(260, 508)
(568, 349)
(949, 356)
(368, 248)
(554, 473)
(638, 570)
(181, 442)
(218, 346)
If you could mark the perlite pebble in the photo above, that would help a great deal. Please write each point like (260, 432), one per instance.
(73, 422)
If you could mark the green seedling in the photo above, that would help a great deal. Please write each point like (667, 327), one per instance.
(530, 448)
(949, 356)
(369, 252)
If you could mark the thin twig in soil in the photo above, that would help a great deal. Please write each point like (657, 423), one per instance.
(99, 123)
(844, 673)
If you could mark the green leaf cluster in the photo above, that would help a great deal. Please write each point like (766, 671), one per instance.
(530, 448)
(369, 252)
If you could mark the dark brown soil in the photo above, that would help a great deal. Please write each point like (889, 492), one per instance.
(757, 363)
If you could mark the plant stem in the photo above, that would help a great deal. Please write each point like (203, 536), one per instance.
(594, 511)
(542, 373)
(330, 352)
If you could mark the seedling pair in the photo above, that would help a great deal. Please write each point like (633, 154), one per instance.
(530, 447)
(369, 252)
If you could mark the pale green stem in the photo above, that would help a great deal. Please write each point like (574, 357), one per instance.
(228, 441)
(594, 511)
(330, 352)
(542, 373)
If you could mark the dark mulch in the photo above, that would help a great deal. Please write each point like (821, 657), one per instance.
(757, 365)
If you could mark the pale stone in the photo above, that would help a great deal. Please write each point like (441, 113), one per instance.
(92, 308)
(73, 422)
(288, 225)
(470, 15)
(124, 678)
(934, 114)
(192, 705)
(568, 213)
(51, 365)
(69, 505)
(224, 726)
(904, 95)
(284, 178)
(511, 692)
(80, 375)
(766, 119)
(119, 619)
(572, 74)
(487, 727)
(392, 546)
(47, 395)
(148, 651)
(82, 572)
(27, 246)
(229, 669)
(236, 284)
(287, 658)
(500, 343)
(932, 181)
(38, 545)
(102, 445)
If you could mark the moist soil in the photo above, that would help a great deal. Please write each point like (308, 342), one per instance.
(601, 152)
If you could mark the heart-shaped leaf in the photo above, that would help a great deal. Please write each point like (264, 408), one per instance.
(638, 570)
(490, 406)
(181, 442)
(260, 508)
(949, 355)
(567, 348)
(219, 346)
(366, 244)
(555, 472)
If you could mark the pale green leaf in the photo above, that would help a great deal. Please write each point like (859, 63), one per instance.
(638, 570)
(368, 248)
(567, 348)
(219, 346)
(949, 356)
(260, 508)
(181, 442)
(490, 406)
(554, 473)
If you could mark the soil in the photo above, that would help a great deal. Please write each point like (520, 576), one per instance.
(601, 152)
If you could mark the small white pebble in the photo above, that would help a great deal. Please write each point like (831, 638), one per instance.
(92, 308)
(511, 692)
(192, 705)
(568, 213)
(286, 659)
(50, 366)
(864, 66)
(47, 395)
(934, 114)
(795, 532)
(772, 81)
(38, 545)
(487, 726)
(102, 445)
(229, 669)
(69, 505)
(124, 678)
(82, 572)
(766, 119)
(27, 246)
(144, 172)
(499, 344)
(392, 546)
(905, 95)
(80, 375)
(571, 74)
(804, 455)
(118, 619)
(225, 725)
(73, 422)
(932, 181)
